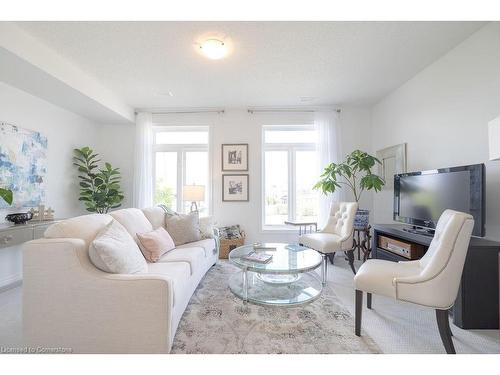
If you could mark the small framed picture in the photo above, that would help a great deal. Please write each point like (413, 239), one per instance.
(235, 188)
(235, 157)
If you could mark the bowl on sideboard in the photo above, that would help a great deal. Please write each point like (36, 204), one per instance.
(19, 217)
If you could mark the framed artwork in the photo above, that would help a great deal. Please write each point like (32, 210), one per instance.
(393, 161)
(235, 157)
(235, 188)
(23, 165)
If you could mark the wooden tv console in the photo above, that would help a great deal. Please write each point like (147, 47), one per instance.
(477, 303)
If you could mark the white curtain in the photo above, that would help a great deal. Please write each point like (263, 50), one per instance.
(143, 161)
(329, 150)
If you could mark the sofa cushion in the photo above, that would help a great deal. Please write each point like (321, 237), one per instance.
(178, 272)
(208, 246)
(183, 228)
(133, 220)
(155, 243)
(155, 215)
(85, 227)
(195, 256)
(115, 251)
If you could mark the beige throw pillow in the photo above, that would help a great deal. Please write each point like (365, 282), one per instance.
(155, 243)
(115, 251)
(207, 227)
(183, 228)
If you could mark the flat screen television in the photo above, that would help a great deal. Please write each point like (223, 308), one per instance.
(421, 197)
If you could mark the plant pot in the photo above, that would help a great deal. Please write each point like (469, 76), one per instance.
(362, 219)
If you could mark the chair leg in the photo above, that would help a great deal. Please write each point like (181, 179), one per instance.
(331, 256)
(444, 330)
(324, 269)
(358, 311)
(350, 257)
(369, 300)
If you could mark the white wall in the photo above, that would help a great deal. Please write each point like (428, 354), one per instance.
(115, 144)
(234, 126)
(442, 114)
(64, 131)
(357, 134)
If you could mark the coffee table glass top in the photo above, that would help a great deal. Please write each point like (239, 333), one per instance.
(287, 280)
(284, 261)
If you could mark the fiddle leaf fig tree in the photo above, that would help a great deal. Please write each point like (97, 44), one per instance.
(355, 173)
(99, 187)
(6, 195)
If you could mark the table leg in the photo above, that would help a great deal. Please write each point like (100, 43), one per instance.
(366, 245)
(359, 243)
(245, 285)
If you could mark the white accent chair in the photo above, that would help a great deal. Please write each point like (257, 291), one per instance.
(337, 235)
(431, 281)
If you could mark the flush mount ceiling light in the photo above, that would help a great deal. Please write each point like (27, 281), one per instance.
(214, 49)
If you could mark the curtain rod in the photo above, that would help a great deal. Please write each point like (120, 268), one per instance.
(179, 111)
(250, 110)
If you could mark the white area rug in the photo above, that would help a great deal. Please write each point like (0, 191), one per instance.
(218, 322)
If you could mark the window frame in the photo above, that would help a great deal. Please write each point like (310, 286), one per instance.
(181, 150)
(291, 149)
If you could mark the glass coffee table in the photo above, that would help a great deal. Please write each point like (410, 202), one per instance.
(287, 280)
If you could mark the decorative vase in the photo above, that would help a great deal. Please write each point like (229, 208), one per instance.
(362, 219)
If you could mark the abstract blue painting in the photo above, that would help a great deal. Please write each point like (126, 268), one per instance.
(23, 157)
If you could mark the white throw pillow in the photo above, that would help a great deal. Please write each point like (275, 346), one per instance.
(115, 251)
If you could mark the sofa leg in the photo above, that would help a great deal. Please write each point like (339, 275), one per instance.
(358, 311)
(350, 257)
(369, 300)
(324, 269)
(444, 330)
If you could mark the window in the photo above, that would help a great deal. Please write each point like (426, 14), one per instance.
(181, 158)
(290, 172)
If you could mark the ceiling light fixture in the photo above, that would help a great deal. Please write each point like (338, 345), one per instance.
(214, 49)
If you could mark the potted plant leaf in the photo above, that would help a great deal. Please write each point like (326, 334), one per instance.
(356, 174)
(6, 195)
(99, 187)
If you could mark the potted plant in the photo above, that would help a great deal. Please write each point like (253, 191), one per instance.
(356, 174)
(99, 187)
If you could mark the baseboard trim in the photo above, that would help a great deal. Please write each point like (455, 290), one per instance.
(10, 283)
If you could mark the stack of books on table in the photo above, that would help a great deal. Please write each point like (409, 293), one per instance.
(258, 257)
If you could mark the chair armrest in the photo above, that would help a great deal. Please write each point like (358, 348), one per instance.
(409, 280)
(423, 290)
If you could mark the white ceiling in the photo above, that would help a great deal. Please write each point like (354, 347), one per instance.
(272, 64)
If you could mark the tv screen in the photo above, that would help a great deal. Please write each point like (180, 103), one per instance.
(421, 197)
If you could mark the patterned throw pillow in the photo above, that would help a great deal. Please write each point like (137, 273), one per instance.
(230, 232)
(183, 228)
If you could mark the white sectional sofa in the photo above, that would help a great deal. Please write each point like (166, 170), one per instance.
(69, 303)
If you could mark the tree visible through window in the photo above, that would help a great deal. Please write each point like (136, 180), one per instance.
(290, 172)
